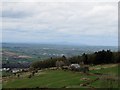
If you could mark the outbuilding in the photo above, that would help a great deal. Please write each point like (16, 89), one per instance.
(75, 67)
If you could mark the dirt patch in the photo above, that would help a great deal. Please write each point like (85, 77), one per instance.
(85, 79)
(88, 82)
(98, 67)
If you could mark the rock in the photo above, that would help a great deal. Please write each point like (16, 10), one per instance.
(83, 84)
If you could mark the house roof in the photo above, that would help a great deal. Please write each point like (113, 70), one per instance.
(75, 65)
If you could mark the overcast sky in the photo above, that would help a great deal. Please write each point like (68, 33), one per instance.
(80, 23)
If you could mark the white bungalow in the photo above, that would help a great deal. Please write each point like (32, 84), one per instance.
(75, 67)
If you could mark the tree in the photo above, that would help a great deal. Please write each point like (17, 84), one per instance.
(66, 61)
(85, 58)
(18, 75)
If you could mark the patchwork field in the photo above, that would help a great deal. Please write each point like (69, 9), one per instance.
(67, 79)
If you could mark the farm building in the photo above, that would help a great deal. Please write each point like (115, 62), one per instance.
(15, 70)
(5, 69)
(75, 67)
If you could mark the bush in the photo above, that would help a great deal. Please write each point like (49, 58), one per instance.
(30, 76)
(33, 73)
(36, 71)
(18, 75)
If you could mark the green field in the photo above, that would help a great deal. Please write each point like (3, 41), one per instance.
(105, 82)
(57, 78)
(67, 79)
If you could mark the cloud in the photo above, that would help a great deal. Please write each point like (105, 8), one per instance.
(60, 22)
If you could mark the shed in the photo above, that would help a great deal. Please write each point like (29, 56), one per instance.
(75, 67)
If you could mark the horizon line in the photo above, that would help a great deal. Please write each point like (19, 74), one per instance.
(70, 44)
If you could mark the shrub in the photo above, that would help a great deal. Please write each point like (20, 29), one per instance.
(30, 76)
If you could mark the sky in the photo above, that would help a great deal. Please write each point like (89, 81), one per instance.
(78, 23)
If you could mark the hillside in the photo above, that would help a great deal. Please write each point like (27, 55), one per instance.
(67, 79)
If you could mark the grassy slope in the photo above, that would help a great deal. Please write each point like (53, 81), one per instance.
(0, 79)
(59, 78)
(111, 71)
(106, 69)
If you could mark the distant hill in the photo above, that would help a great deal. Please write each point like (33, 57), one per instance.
(44, 51)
